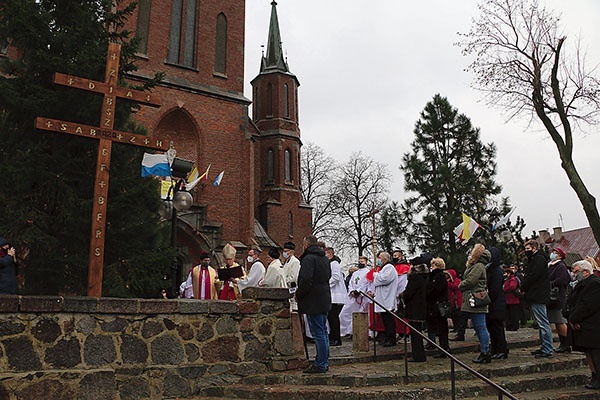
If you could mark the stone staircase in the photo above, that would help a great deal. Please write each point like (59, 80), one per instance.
(354, 377)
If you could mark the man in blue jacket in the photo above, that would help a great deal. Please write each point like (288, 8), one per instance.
(314, 299)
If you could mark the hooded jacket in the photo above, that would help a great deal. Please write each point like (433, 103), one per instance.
(475, 280)
(313, 293)
(495, 283)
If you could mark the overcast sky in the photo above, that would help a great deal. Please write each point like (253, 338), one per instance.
(367, 69)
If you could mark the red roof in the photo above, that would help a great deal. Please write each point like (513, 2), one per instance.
(578, 241)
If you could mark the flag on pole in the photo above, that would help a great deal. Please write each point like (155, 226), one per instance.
(192, 184)
(466, 229)
(503, 220)
(204, 176)
(217, 181)
(193, 175)
(155, 164)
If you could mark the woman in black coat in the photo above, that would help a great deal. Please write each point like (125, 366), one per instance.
(494, 319)
(583, 309)
(437, 291)
(415, 301)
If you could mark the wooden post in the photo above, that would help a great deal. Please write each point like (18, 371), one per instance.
(360, 331)
(106, 135)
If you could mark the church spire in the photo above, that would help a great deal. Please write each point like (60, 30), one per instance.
(274, 59)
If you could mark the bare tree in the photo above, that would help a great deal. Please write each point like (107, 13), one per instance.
(362, 188)
(522, 64)
(318, 174)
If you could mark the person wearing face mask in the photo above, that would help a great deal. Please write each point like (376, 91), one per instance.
(256, 270)
(205, 281)
(559, 278)
(536, 289)
(385, 282)
(583, 307)
(291, 266)
(355, 301)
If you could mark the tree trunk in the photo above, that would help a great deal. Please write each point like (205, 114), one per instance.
(587, 200)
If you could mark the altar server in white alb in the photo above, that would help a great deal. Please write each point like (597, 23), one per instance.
(255, 268)
(386, 287)
(338, 297)
(274, 275)
(355, 301)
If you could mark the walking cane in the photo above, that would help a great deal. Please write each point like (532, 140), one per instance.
(302, 328)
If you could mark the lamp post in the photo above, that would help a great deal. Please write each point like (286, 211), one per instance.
(178, 199)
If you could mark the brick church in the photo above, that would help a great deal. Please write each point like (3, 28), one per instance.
(199, 45)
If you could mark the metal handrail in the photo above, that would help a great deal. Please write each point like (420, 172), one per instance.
(501, 391)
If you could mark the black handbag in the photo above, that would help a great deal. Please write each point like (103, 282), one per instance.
(480, 299)
(554, 293)
(445, 308)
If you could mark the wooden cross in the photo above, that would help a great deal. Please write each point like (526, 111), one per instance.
(106, 136)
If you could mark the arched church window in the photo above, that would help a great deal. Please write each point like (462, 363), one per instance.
(270, 166)
(269, 100)
(143, 22)
(182, 39)
(221, 45)
(287, 158)
(291, 225)
(286, 101)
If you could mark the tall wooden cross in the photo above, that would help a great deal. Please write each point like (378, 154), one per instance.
(106, 136)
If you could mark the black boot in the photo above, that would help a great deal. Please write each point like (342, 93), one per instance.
(595, 382)
(564, 347)
(483, 358)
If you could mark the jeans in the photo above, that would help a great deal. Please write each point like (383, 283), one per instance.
(540, 316)
(478, 322)
(317, 324)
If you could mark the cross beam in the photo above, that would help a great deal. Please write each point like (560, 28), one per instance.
(106, 136)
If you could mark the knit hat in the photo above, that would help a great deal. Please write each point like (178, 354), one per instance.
(561, 253)
(3, 241)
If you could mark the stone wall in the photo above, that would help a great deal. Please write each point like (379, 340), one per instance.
(104, 348)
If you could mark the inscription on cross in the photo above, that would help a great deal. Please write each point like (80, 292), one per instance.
(106, 136)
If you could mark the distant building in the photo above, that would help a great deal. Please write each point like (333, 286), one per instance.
(577, 243)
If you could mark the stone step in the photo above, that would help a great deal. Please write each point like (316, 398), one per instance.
(434, 370)
(343, 355)
(522, 387)
(520, 373)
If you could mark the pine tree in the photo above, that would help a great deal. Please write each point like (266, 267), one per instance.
(451, 171)
(48, 177)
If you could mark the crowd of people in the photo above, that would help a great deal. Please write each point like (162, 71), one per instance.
(423, 291)
(426, 293)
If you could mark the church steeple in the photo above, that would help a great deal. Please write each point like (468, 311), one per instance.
(274, 59)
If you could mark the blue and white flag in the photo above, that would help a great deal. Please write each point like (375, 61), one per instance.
(155, 164)
(217, 181)
(503, 221)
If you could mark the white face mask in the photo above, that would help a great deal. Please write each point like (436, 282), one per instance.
(553, 256)
(286, 254)
(250, 259)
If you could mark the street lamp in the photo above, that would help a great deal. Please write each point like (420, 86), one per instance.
(178, 199)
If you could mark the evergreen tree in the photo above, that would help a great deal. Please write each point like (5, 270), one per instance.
(46, 198)
(451, 171)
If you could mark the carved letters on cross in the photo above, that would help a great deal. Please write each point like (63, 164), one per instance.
(106, 136)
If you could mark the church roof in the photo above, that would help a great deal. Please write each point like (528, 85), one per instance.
(274, 60)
